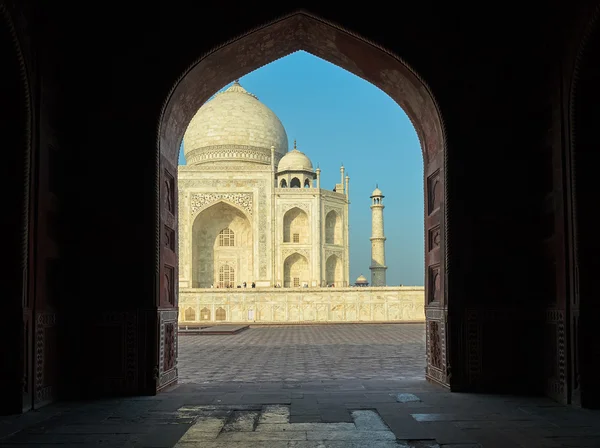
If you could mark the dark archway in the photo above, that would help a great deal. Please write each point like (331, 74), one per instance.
(584, 114)
(303, 31)
(16, 131)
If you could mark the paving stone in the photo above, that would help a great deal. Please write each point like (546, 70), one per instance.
(274, 414)
(368, 421)
(241, 421)
(351, 435)
(305, 418)
(405, 398)
(255, 436)
(274, 427)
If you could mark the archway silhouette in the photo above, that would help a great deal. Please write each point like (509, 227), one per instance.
(303, 31)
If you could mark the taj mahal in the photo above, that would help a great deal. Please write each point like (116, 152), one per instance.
(260, 240)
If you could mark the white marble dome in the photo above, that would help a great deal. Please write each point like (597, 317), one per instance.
(361, 279)
(234, 124)
(377, 192)
(295, 161)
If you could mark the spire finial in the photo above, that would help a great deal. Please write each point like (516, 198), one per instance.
(294, 143)
(376, 185)
(237, 81)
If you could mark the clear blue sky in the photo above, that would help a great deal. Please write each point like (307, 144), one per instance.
(338, 118)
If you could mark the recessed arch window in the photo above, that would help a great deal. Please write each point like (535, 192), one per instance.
(295, 183)
(307, 183)
(226, 276)
(226, 237)
(283, 184)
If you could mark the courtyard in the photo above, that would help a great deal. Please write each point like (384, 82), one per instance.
(305, 353)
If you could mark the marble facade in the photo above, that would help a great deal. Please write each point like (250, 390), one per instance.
(301, 305)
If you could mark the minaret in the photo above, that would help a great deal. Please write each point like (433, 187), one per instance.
(378, 266)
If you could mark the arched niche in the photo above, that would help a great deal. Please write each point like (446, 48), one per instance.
(334, 271)
(222, 238)
(296, 226)
(301, 30)
(333, 228)
(295, 183)
(283, 184)
(296, 271)
(189, 314)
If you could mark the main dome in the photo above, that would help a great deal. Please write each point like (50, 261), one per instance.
(234, 126)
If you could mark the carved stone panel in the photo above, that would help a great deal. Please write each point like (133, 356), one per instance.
(434, 238)
(169, 285)
(170, 353)
(434, 192)
(435, 345)
(200, 201)
(169, 238)
(435, 284)
(170, 192)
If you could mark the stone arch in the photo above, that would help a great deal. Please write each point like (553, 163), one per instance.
(584, 110)
(209, 255)
(296, 226)
(296, 271)
(220, 314)
(307, 183)
(333, 228)
(301, 30)
(295, 183)
(205, 314)
(334, 271)
(283, 184)
(190, 314)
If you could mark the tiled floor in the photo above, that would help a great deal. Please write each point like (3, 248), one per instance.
(305, 352)
(230, 415)
(362, 407)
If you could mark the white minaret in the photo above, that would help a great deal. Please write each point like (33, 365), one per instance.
(378, 266)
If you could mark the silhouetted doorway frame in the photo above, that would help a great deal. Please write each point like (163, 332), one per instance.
(234, 59)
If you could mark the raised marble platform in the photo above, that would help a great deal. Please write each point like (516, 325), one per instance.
(218, 329)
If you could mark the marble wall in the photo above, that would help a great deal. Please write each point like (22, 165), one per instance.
(279, 305)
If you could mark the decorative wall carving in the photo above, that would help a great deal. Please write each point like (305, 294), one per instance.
(434, 238)
(435, 346)
(170, 354)
(338, 210)
(170, 191)
(287, 252)
(200, 201)
(555, 322)
(435, 284)
(434, 191)
(169, 235)
(338, 252)
(262, 227)
(231, 152)
(383, 304)
(287, 206)
(169, 284)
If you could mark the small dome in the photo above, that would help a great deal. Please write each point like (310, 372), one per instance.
(361, 279)
(234, 120)
(295, 161)
(377, 192)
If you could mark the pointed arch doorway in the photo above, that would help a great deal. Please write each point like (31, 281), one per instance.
(303, 31)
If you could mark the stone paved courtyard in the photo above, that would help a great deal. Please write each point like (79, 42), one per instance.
(356, 386)
(305, 352)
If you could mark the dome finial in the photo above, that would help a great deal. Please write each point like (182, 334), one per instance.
(237, 81)
(294, 144)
